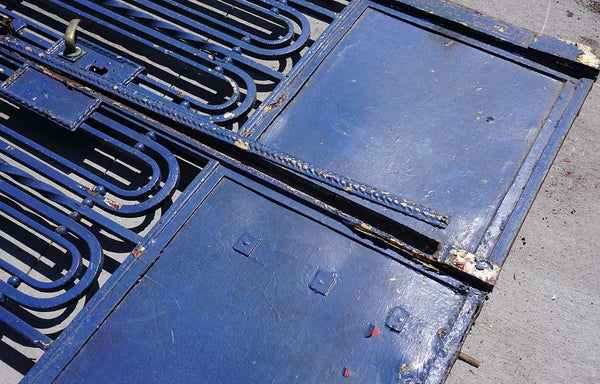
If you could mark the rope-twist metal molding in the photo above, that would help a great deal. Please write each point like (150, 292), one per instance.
(192, 120)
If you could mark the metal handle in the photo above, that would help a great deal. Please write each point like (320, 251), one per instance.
(71, 48)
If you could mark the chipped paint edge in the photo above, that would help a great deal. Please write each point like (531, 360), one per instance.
(588, 56)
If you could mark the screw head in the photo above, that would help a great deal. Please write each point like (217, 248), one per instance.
(61, 230)
(151, 135)
(88, 202)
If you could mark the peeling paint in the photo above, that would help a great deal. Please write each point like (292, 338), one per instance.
(42, 343)
(90, 191)
(468, 262)
(138, 252)
(588, 56)
(241, 144)
(276, 103)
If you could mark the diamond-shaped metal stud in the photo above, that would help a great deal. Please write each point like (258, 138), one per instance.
(323, 282)
(246, 244)
(397, 318)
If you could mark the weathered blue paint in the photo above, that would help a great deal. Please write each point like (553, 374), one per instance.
(280, 311)
(51, 98)
(248, 259)
(451, 126)
(147, 101)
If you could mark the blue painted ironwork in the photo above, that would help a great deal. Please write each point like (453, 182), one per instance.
(224, 111)
(63, 227)
(176, 14)
(173, 93)
(51, 98)
(41, 178)
(147, 197)
(181, 115)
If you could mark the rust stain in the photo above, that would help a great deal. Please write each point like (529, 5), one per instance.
(138, 252)
(460, 260)
(466, 262)
(90, 191)
(392, 241)
(112, 204)
(276, 103)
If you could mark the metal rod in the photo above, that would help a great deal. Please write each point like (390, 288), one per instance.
(469, 360)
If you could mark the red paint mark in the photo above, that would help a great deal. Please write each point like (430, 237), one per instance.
(346, 372)
(405, 368)
(374, 331)
(567, 160)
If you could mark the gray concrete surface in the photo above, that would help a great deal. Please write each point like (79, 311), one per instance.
(540, 324)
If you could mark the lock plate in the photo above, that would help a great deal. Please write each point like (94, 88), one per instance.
(49, 97)
(99, 62)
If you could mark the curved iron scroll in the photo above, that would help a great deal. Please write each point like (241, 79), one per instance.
(80, 205)
(86, 277)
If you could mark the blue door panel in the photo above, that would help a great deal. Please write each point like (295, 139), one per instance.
(449, 127)
(298, 304)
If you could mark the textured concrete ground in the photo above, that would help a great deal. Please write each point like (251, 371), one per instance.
(540, 324)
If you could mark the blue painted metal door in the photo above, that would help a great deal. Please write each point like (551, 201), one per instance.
(265, 191)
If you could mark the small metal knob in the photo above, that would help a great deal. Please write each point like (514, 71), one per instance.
(71, 48)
